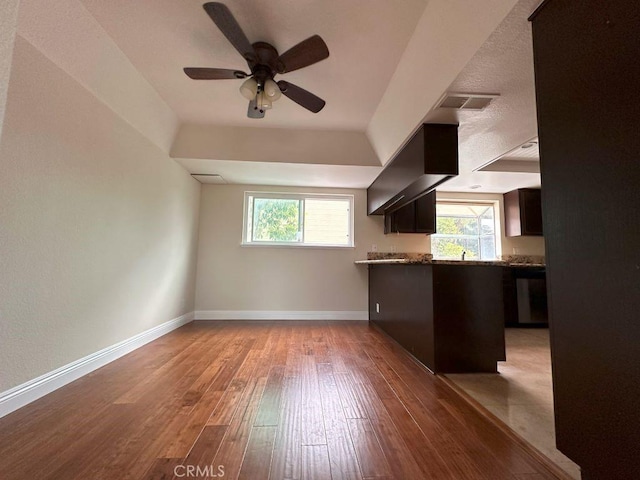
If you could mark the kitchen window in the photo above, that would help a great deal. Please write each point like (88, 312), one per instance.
(294, 219)
(465, 227)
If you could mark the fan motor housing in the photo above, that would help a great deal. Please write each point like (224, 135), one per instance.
(267, 56)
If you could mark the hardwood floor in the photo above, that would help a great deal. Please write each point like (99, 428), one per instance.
(521, 394)
(260, 400)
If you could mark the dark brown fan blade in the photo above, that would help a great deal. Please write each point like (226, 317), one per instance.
(227, 24)
(213, 73)
(302, 97)
(306, 53)
(253, 111)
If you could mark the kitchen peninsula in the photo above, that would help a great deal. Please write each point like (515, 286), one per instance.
(448, 314)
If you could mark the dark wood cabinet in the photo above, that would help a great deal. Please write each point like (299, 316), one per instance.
(450, 317)
(417, 217)
(426, 213)
(427, 160)
(525, 297)
(523, 212)
(401, 221)
(587, 76)
(401, 304)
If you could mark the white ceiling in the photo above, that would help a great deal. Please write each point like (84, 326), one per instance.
(366, 39)
(390, 61)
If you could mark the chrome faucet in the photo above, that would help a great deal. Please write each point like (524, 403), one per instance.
(463, 254)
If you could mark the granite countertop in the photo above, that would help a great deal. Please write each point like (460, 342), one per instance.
(389, 258)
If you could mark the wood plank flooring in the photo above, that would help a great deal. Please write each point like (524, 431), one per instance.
(521, 395)
(260, 400)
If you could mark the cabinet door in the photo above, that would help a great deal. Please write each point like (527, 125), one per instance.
(417, 217)
(512, 222)
(426, 214)
(402, 220)
(531, 211)
(523, 212)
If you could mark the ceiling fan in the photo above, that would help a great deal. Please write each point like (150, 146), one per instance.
(260, 88)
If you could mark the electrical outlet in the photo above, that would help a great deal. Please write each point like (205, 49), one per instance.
(393, 248)
(374, 247)
(377, 308)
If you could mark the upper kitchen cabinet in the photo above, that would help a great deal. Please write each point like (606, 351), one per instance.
(427, 160)
(523, 212)
(418, 216)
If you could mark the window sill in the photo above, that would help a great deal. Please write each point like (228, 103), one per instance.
(456, 259)
(296, 245)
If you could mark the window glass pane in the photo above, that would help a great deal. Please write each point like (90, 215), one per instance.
(452, 247)
(487, 223)
(298, 219)
(488, 247)
(276, 220)
(445, 247)
(326, 222)
(468, 228)
(457, 225)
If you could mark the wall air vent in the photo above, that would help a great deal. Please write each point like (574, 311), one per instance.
(466, 101)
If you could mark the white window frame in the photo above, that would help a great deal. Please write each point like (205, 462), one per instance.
(295, 196)
(497, 215)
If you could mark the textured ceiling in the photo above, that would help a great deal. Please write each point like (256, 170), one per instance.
(503, 65)
(366, 38)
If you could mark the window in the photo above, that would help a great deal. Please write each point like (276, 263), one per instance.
(298, 219)
(465, 227)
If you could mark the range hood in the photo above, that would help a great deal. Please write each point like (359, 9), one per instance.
(426, 161)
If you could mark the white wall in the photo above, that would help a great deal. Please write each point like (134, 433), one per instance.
(98, 226)
(251, 278)
(509, 245)
(8, 25)
(235, 278)
(68, 35)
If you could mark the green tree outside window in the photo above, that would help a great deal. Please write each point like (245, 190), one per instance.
(276, 220)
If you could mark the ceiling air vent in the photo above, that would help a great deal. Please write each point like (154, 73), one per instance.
(209, 178)
(466, 101)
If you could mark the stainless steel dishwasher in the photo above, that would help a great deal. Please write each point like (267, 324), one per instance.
(531, 292)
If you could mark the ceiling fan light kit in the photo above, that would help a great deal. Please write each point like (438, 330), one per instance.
(264, 63)
(249, 89)
(263, 102)
(271, 90)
